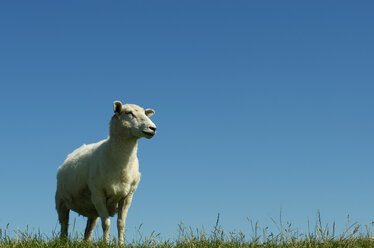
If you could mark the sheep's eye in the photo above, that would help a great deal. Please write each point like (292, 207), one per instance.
(130, 114)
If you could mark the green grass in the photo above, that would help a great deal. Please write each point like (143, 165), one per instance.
(355, 235)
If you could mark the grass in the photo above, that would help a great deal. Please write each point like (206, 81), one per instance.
(355, 235)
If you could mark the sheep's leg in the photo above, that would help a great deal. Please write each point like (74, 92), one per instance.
(91, 223)
(99, 202)
(123, 208)
(63, 218)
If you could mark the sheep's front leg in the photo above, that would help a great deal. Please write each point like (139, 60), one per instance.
(123, 208)
(99, 200)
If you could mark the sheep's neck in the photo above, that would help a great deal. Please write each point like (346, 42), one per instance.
(123, 149)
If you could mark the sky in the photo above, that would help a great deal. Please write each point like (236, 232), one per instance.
(261, 107)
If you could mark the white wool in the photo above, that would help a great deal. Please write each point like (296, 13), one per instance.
(98, 180)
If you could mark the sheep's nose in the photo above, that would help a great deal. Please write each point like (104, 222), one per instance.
(153, 129)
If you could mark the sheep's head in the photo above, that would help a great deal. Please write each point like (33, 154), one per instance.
(133, 120)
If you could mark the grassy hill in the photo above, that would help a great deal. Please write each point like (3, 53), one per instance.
(355, 235)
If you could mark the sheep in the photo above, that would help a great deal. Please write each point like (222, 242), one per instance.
(99, 180)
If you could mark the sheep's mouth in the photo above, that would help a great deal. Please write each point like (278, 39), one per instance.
(148, 133)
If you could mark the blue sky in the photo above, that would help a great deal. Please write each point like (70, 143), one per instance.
(259, 104)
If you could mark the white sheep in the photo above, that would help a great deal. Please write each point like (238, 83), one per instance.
(99, 180)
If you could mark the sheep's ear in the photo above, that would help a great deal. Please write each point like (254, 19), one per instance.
(117, 107)
(149, 112)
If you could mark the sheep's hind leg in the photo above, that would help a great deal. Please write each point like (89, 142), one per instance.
(63, 218)
(91, 223)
